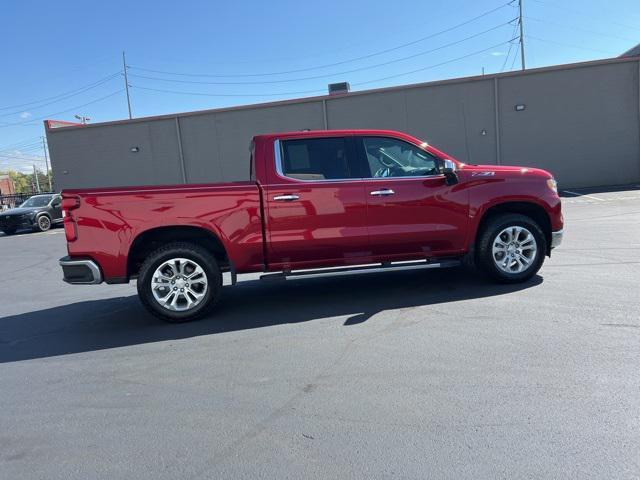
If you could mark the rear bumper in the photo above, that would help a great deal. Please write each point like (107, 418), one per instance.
(80, 271)
(556, 238)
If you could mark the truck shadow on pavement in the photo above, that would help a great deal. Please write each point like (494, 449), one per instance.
(122, 321)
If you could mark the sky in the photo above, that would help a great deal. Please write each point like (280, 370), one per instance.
(64, 58)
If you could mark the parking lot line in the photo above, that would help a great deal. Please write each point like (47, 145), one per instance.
(583, 195)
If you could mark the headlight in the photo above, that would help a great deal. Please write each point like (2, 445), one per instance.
(553, 185)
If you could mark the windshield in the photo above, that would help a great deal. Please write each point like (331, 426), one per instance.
(40, 201)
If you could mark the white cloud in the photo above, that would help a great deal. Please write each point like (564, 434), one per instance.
(497, 54)
(21, 161)
(25, 115)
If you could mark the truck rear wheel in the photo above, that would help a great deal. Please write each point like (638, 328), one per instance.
(511, 248)
(179, 282)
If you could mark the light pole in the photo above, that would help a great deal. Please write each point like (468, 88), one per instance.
(82, 119)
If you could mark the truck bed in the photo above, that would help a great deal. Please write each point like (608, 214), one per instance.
(110, 220)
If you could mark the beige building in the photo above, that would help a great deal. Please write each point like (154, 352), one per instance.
(580, 121)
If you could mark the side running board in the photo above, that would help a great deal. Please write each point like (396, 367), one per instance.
(369, 268)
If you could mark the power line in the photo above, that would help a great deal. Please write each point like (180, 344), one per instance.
(317, 67)
(435, 65)
(66, 95)
(65, 111)
(513, 35)
(29, 148)
(20, 161)
(303, 92)
(563, 44)
(61, 99)
(578, 29)
(586, 15)
(513, 63)
(34, 158)
(315, 77)
(17, 144)
(319, 91)
(21, 148)
(18, 153)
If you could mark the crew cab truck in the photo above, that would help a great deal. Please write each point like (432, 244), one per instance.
(345, 199)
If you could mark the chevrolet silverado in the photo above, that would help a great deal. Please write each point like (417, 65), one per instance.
(316, 202)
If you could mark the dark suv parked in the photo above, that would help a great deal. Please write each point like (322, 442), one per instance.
(39, 212)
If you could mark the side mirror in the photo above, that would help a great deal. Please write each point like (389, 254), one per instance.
(449, 170)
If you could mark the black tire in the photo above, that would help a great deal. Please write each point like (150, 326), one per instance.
(9, 231)
(43, 223)
(195, 253)
(486, 238)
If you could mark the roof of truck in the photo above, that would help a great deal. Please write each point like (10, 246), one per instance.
(331, 133)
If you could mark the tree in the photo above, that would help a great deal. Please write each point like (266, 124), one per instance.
(25, 182)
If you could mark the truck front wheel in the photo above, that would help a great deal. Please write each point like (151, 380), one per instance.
(179, 282)
(511, 248)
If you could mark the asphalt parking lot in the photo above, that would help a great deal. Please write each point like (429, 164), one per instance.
(416, 374)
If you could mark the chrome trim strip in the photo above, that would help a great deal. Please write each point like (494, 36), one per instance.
(556, 238)
(90, 264)
(360, 269)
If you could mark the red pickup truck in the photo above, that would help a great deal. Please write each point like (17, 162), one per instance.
(345, 199)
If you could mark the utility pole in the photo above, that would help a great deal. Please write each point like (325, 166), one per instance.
(35, 174)
(46, 161)
(521, 22)
(126, 82)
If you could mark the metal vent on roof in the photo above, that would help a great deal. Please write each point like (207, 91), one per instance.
(339, 88)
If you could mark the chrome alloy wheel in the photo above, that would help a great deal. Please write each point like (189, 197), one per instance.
(514, 249)
(179, 284)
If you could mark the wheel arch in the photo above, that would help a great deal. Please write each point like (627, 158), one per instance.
(531, 209)
(154, 238)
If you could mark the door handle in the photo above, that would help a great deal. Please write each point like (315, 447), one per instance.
(382, 193)
(286, 198)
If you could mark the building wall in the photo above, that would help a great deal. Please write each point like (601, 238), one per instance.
(581, 122)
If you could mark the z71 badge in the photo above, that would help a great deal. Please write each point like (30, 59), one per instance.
(483, 174)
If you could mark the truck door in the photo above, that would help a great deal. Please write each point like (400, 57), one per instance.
(411, 211)
(316, 205)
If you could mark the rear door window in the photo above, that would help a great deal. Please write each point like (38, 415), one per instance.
(318, 159)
